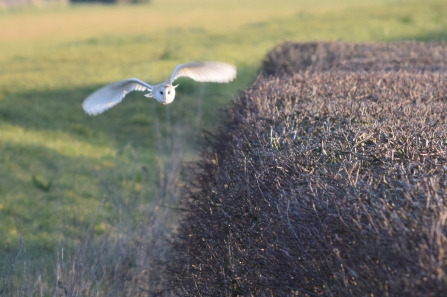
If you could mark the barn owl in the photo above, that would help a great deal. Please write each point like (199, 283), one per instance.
(110, 95)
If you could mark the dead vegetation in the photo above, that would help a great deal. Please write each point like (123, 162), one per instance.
(324, 183)
(291, 58)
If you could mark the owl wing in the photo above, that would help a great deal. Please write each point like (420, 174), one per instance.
(205, 72)
(110, 95)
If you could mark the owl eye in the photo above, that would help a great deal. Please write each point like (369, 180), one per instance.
(169, 92)
(161, 92)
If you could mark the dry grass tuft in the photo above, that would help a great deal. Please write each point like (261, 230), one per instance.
(323, 184)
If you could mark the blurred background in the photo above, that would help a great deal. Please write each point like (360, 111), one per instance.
(64, 174)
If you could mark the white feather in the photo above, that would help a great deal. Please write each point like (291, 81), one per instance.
(112, 94)
(205, 72)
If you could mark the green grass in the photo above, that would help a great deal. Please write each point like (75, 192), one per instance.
(55, 160)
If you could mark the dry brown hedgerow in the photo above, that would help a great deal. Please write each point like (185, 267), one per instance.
(322, 184)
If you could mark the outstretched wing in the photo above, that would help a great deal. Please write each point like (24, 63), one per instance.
(205, 72)
(112, 94)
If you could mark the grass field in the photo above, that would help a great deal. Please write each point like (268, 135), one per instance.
(56, 162)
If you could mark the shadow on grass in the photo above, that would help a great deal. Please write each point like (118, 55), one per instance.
(132, 121)
(121, 239)
(433, 36)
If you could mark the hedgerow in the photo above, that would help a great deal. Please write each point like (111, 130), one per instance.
(291, 58)
(322, 183)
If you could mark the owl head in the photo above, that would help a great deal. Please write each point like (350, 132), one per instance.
(165, 93)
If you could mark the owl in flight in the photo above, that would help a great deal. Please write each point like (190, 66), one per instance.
(110, 95)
